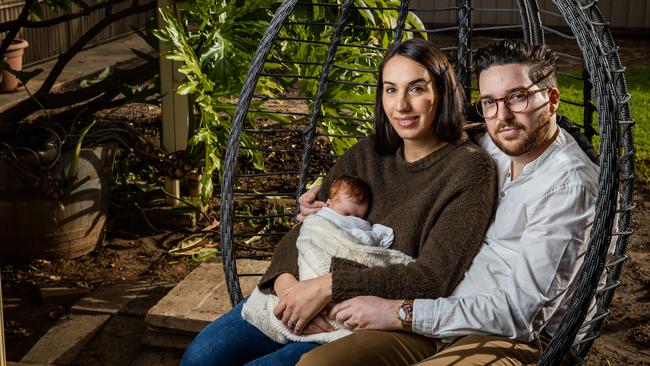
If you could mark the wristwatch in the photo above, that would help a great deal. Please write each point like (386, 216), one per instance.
(405, 315)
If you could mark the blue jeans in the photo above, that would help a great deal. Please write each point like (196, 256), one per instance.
(231, 340)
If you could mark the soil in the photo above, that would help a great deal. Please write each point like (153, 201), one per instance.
(625, 338)
(136, 248)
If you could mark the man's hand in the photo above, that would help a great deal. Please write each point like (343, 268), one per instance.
(309, 204)
(318, 324)
(367, 312)
(300, 303)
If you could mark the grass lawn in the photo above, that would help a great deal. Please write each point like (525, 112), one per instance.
(638, 79)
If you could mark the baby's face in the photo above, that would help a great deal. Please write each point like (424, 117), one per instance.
(343, 204)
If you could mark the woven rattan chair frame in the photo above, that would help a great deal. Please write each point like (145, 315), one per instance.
(603, 82)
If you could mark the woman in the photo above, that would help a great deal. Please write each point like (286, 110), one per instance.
(429, 183)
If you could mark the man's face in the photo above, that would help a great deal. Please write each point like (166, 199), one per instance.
(517, 133)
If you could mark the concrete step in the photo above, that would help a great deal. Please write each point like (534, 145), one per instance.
(167, 338)
(110, 317)
(196, 301)
(117, 344)
(63, 342)
(130, 297)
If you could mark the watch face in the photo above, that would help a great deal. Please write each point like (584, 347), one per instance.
(405, 313)
(401, 314)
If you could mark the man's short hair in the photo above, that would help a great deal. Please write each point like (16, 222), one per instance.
(354, 187)
(540, 59)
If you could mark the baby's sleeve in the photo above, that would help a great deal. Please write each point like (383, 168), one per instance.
(384, 235)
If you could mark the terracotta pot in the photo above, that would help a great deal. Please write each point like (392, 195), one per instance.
(14, 57)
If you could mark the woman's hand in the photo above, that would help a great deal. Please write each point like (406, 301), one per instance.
(282, 283)
(300, 303)
(309, 204)
(319, 323)
(367, 312)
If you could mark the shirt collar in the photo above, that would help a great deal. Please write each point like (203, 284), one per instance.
(531, 167)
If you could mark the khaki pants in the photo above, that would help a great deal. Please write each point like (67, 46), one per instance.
(375, 348)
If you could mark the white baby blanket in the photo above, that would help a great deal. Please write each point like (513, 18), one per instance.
(376, 235)
(318, 242)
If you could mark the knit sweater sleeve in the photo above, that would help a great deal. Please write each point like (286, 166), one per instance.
(285, 255)
(284, 260)
(445, 253)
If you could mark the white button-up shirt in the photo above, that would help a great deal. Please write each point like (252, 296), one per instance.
(522, 278)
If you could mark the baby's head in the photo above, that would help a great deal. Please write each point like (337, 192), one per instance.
(349, 196)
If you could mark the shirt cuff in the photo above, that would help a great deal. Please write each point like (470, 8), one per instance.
(425, 311)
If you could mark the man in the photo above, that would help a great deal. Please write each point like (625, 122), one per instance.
(518, 287)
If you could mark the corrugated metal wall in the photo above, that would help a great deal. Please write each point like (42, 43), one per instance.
(626, 13)
(620, 13)
(51, 41)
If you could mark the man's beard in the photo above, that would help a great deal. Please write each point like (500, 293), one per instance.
(534, 136)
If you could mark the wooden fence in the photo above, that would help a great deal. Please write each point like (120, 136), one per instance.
(49, 42)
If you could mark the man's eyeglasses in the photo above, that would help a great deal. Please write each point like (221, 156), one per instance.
(516, 101)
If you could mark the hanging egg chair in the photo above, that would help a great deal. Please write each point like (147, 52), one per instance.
(289, 137)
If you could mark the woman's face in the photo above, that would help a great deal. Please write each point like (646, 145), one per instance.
(410, 100)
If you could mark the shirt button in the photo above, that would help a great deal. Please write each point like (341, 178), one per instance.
(502, 194)
(508, 174)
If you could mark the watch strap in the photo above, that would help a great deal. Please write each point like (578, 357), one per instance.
(405, 315)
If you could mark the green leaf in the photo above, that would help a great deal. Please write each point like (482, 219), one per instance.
(174, 56)
(206, 191)
(188, 243)
(185, 89)
(70, 177)
(35, 12)
(23, 76)
(414, 22)
(102, 75)
(366, 13)
(215, 51)
(317, 182)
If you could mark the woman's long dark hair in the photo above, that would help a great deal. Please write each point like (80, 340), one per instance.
(450, 113)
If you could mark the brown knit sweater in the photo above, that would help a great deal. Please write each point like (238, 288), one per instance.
(439, 208)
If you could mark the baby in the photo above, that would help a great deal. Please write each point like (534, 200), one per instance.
(337, 230)
(349, 199)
